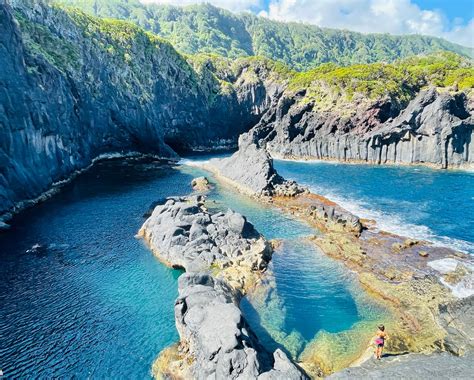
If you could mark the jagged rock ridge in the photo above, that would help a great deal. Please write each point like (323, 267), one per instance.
(223, 255)
(435, 128)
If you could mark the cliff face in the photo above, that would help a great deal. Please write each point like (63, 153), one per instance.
(73, 87)
(435, 128)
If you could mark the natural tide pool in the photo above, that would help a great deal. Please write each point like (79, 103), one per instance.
(97, 304)
(415, 201)
(308, 302)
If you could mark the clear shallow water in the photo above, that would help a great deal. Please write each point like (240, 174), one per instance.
(413, 201)
(97, 304)
(307, 295)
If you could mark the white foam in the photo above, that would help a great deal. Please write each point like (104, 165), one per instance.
(193, 162)
(444, 266)
(465, 287)
(394, 223)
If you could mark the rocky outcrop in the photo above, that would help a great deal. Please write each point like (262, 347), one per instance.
(251, 170)
(216, 339)
(223, 256)
(183, 234)
(412, 366)
(200, 184)
(74, 87)
(434, 129)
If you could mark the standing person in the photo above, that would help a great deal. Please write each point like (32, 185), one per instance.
(380, 341)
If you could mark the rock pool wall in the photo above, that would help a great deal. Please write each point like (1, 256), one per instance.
(223, 256)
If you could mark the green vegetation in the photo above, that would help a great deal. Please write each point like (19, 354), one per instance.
(133, 58)
(42, 43)
(210, 30)
(400, 80)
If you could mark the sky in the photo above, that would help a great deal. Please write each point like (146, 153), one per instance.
(449, 19)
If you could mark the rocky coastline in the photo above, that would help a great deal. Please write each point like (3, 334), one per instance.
(224, 258)
(66, 99)
(435, 129)
(428, 289)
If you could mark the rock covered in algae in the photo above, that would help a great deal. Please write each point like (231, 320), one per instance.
(200, 184)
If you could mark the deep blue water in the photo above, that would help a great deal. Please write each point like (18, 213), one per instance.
(414, 201)
(97, 303)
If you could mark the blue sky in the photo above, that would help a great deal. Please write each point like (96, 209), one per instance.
(449, 19)
(451, 8)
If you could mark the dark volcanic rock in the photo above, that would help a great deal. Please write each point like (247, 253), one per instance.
(71, 90)
(219, 342)
(435, 128)
(413, 366)
(184, 234)
(251, 170)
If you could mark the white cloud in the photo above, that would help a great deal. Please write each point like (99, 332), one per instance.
(232, 5)
(379, 16)
(382, 16)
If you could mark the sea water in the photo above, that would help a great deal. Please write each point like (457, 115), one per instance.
(419, 202)
(96, 303)
(306, 298)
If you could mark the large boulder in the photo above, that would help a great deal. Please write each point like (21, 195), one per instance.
(217, 340)
(251, 170)
(184, 234)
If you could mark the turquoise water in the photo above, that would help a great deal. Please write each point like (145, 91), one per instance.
(97, 303)
(418, 202)
(306, 293)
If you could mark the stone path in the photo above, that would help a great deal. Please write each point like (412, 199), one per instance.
(413, 366)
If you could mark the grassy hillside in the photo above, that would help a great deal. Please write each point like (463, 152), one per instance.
(211, 30)
(132, 49)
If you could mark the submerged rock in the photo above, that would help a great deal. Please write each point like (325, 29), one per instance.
(37, 249)
(200, 184)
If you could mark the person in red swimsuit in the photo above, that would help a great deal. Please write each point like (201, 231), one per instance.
(380, 341)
